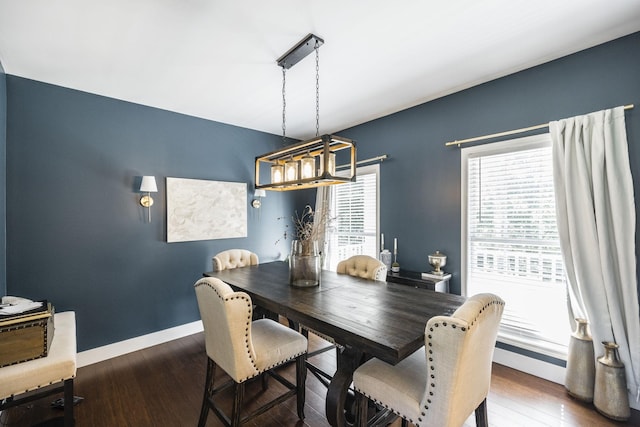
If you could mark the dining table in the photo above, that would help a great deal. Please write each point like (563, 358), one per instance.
(365, 318)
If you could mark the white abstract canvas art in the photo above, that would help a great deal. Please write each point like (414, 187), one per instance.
(204, 210)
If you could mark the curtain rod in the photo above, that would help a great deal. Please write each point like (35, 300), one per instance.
(509, 132)
(360, 162)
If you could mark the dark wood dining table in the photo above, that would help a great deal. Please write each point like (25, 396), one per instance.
(366, 318)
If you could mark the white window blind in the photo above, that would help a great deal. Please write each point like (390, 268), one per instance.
(512, 244)
(354, 205)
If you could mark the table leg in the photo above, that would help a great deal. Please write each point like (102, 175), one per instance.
(338, 412)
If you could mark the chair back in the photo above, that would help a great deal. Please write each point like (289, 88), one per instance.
(363, 266)
(234, 258)
(226, 317)
(459, 352)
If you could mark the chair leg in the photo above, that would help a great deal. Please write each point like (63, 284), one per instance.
(301, 379)
(238, 392)
(68, 403)
(362, 404)
(481, 414)
(208, 392)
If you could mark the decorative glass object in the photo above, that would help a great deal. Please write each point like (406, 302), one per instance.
(304, 264)
(331, 161)
(581, 366)
(385, 257)
(307, 167)
(291, 170)
(610, 391)
(395, 267)
(277, 173)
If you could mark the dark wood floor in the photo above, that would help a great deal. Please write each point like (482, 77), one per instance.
(162, 386)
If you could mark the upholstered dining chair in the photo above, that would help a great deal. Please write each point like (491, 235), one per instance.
(363, 266)
(234, 258)
(244, 349)
(444, 382)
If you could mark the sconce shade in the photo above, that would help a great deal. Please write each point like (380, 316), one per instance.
(325, 146)
(148, 184)
(256, 203)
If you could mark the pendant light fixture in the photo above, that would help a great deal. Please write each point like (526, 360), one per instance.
(310, 163)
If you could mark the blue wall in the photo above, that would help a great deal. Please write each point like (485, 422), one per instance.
(3, 180)
(420, 184)
(77, 235)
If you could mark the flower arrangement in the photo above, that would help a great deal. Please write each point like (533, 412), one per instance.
(309, 227)
(311, 224)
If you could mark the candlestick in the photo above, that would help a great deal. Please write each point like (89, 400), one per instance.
(395, 267)
(381, 241)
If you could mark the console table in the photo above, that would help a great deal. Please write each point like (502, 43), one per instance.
(416, 279)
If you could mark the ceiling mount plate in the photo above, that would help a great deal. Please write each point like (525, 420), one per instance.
(299, 51)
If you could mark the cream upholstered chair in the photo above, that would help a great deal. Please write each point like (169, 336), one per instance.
(47, 375)
(363, 266)
(443, 385)
(244, 349)
(234, 258)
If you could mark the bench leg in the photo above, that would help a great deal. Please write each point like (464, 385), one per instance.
(68, 403)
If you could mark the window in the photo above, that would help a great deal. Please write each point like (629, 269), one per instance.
(355, 206)
(510, 240)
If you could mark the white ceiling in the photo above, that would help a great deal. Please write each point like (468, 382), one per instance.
(216, 59)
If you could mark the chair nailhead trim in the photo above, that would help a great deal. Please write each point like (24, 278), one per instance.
(386, 406)
(462, 329)
(244, 297)
(237, 295)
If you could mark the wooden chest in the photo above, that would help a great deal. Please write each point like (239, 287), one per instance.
(27, 336)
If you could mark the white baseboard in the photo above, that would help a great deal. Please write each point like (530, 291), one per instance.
(538, 368)
(109, 351)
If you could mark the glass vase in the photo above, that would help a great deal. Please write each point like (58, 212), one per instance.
(385, 257)
(304, 264)
(610, 392)
(581, 366)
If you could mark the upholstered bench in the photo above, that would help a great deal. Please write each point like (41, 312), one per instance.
(46, 375)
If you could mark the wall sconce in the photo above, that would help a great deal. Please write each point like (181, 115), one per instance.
(256, 203)
(148, 185)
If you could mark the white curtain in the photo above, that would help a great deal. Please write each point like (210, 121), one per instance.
(323, 207)
(596, 222)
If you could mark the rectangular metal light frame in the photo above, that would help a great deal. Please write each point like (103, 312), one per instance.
(319, 145)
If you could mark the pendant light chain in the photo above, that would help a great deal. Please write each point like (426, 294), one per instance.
(295, 166)
(317, 89)
(284, 106)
